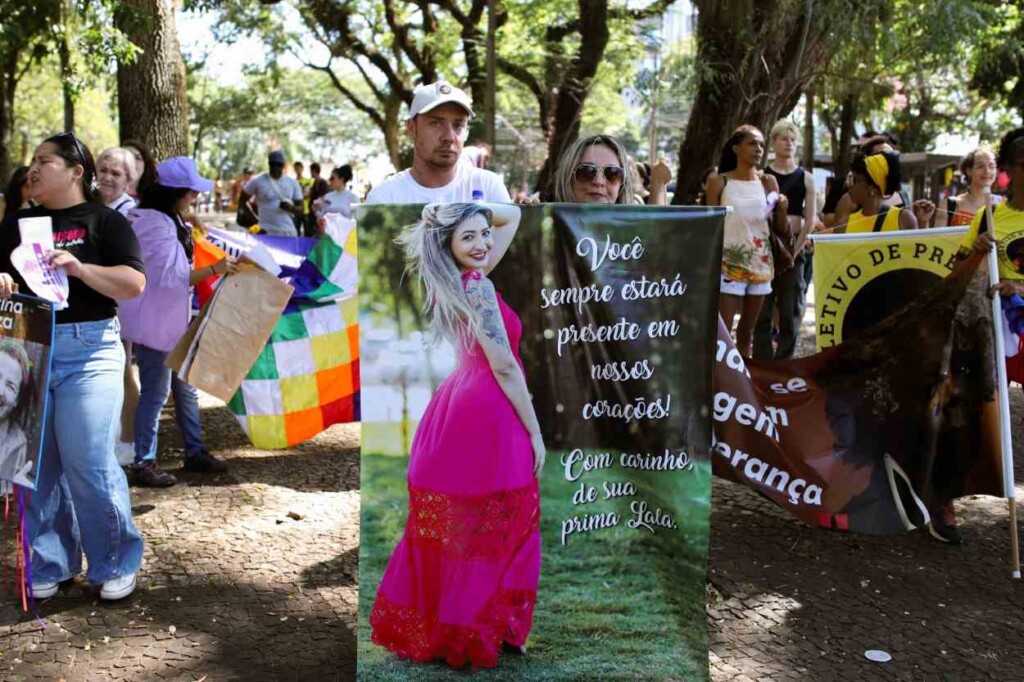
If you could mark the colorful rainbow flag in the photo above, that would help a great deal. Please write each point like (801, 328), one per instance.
(307, 377)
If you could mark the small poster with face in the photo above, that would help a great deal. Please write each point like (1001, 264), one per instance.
(26, 342)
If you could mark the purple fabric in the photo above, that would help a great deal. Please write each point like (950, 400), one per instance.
(159, 317)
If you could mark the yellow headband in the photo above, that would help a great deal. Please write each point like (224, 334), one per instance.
(878, 169)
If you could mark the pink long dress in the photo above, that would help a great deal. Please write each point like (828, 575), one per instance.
(463, 578)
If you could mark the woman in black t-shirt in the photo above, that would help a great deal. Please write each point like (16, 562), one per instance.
(78, 478)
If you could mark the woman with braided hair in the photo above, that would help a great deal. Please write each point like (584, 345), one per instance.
(462, 583)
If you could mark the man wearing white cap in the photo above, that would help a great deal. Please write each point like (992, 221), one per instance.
(438, 124)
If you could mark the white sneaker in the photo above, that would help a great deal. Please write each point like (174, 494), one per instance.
(44, 590)
(125, 453)
(118, 588)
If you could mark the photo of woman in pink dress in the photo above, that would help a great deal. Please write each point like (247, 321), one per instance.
(462, 583)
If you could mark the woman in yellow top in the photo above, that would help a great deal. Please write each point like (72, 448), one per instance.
(874, 178)
(1007, 233)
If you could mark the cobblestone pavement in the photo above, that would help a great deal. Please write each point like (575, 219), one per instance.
(248, 575)
(251, 575)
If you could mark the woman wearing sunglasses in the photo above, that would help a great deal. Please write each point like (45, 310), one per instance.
(747, 267)
(81, 500)
(593, 170)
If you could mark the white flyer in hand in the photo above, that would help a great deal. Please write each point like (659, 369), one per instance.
(29, 260)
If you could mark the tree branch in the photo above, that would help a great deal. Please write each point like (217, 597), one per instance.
(339, 17)
(400, 30)
(522, 75)
(377, 92)
(375, 115)
(655, 9)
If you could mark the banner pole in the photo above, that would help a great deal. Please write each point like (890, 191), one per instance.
(900, 234)
(1003, 386)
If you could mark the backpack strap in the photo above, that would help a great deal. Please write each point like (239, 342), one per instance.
(880, 219)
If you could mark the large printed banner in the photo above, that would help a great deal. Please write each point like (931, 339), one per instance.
(613, 311)
(307, 377)
(26, 340)
(860, 279)
(874, 434)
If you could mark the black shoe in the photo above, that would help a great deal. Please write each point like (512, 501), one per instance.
(205, 463)
(943, 526)
(149, 476)
(514, 649)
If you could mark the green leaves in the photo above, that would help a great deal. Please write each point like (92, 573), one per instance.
(927, 68)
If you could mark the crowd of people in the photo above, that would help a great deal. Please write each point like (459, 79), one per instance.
(291, 205)
(124, 231)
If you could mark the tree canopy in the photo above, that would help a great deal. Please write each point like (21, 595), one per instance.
(920, 69)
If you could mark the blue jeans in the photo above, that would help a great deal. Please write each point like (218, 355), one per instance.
(156, 380)
(81, 500)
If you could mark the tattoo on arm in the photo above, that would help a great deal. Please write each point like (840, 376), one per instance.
(482, 296)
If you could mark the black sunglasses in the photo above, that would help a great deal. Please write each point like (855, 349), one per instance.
(78, 148)
(587, 172)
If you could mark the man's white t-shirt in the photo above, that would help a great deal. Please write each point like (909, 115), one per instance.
(273, 218)
(401, 188)
(338, 202)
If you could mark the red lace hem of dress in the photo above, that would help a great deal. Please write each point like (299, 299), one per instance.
(420, 637)
(488, 526)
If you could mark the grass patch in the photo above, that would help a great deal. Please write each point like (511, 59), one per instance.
(614, 604)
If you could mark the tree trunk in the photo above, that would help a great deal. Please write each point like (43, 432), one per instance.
(8, 86)
(842, 152)
(151, 98)
(808, 160)
(757, 69)
(393, 130)
(575, 86)
(473, 42)
(64, 51)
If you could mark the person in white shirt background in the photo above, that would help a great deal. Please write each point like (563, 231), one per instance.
(438, 125)
(340, 198)
(279, 198)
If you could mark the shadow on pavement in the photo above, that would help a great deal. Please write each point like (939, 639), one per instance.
(220, 630)
(341, 571)
(307, 472)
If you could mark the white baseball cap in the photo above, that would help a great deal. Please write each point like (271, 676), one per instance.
(430, 96)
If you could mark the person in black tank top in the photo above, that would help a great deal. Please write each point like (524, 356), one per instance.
(789, 289)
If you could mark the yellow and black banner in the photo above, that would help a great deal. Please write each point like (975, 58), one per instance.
(860, 279)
